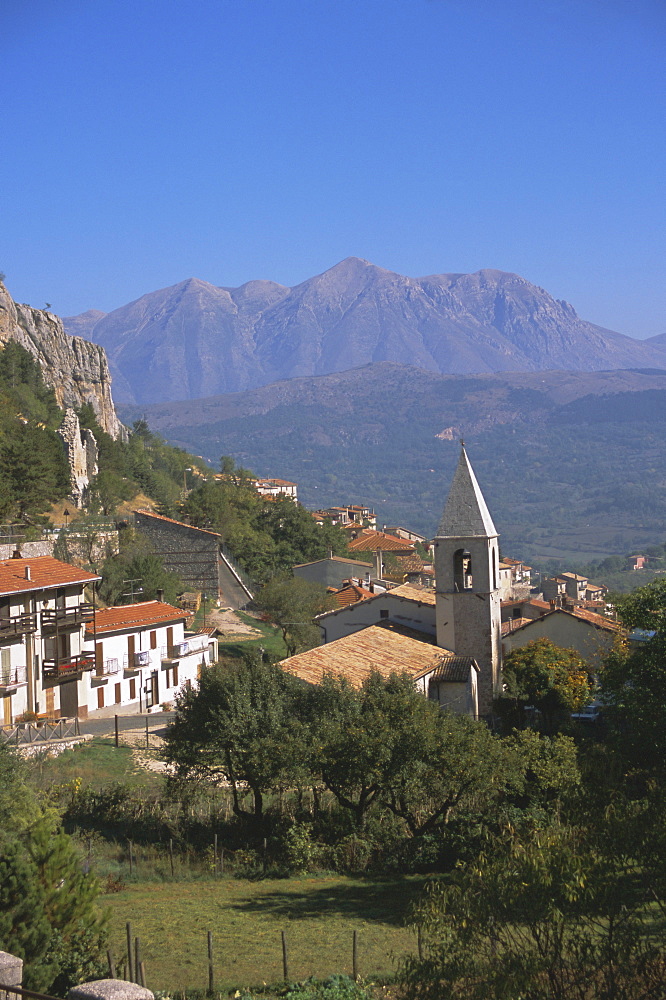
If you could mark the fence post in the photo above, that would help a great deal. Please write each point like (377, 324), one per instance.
(211, 971)
(130, 958)
(171, 854)
(285, 958)
(115, 722)
(355, 956)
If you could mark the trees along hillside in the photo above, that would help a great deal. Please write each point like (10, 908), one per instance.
(266, 535)
(33, 469)
(48, 906)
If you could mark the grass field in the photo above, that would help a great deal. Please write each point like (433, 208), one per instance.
(318, 914)
(98, 764)
(270, 639)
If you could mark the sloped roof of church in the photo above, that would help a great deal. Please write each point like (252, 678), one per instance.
(466, 513)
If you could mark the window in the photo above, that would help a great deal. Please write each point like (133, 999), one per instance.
(132, 689)
(175, 676)
(383, 613)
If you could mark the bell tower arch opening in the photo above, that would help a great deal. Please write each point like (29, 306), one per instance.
(462, 570)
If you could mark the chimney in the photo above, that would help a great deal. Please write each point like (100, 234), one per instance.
(160, 595)
(378, 564)
(16, 554)
(27, 573)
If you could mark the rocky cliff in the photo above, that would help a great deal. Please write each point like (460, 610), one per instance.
(77, 370)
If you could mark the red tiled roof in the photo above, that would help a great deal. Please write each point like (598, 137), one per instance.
(515, 623)
(351, 595)
(369, 541)
(134, 616)
(181, 524)
(45, 573)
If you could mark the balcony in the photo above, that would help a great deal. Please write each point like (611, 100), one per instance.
(193, 645)
(107, 668)
(12, 678)
(144, 658)
(17, 625)
(67, 668)
(56, 619)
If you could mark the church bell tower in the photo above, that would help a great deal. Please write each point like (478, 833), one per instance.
(467, 581)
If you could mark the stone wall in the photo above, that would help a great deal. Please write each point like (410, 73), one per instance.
(192, 553)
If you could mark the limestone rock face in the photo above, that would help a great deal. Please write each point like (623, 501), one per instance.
(76, 370)
(82, 455)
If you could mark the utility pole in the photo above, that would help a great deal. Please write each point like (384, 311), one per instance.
(135, 588)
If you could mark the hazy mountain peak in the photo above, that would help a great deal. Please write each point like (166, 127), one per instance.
(195, 339)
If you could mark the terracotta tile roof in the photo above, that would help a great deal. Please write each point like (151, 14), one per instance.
(573, 576)
(410, 592)
(351, 595)
(340, 559)
(181, 524)
(411, 562)
(515, 623)
(134, 616)
(45, 573)
(598, 621)
(454, 669)
(532, 602)
(369, 541)
(406, 592)
(354, 657)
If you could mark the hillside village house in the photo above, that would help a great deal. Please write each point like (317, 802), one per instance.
(591, 635)
(451, 640)
(44, 667)
(143, 656)
(277, 488)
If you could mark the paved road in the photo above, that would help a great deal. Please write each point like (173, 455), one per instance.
(102, 727)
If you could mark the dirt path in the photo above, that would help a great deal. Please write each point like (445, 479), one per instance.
(229, 624)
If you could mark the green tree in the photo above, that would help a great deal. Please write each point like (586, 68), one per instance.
(291, 603)
(633, 680)
(553, 680)
(48, 907)
(367, 738)
(242, 727)
(454, 766)
(136, 560)
(545, 915)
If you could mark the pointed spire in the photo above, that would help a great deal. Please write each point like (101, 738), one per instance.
(466, 514)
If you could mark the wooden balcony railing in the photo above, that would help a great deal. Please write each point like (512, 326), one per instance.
(18, 625)
(54, 619)
(68, 667)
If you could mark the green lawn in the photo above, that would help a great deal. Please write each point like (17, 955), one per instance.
(98, 763)
(319, 915)
(270, 640)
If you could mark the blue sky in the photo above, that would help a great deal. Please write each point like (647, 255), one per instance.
(149, 141)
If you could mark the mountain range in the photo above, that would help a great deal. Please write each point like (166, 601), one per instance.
(195, 339)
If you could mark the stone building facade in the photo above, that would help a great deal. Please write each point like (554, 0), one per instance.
(192, 553)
